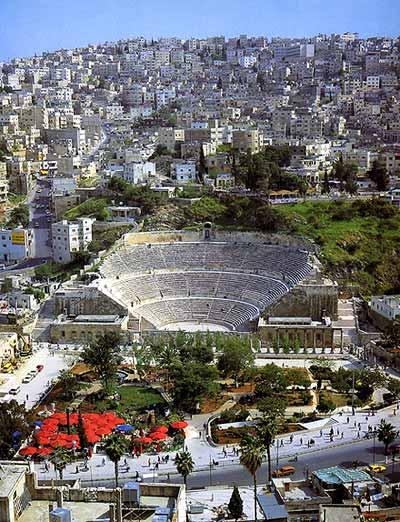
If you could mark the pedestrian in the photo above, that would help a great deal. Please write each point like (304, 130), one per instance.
(359, 425)
(157, 465)
(355, 423)
(27, 397)
(159, 459)
(358, 435)
(149, 461)
(168, 477)
(301, 441)
(320, 433)
(348, 420)
(291, 439)
(77, 470)
(337, 431)
(103, 462)
(341, 435)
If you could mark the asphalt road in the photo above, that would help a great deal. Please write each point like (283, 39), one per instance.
(362, 451)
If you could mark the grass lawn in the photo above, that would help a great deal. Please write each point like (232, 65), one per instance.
(138, 398)
(339, 399)
(357, 245)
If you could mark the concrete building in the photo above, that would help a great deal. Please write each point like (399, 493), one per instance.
(244, 140)
(139, 172)
(185, 171)
(8, 347)
(169, 137)
(384, 309)
(70, 237)
(15, 245)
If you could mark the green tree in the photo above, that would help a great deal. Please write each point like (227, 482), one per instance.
(251, 458)
(103, 355)
(202, 164)
(235, 505)
(81, 432)
(393, 386)
(13, 417)
(271, 380)
(184, 464)
(193, 381)
(19, 216)
(69, 384)
(386, 433)
(115, 446)
(379, 175)
(267, 427)
(235, 358)
(325, 186)
(60, 458)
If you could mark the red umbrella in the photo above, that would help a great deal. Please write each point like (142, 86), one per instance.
(42, 441)
(92, 438)
(103, 430)
(143, 440)
(157, 435)
(160, 429)
(44, 451)
(27, 451)
(179, 425)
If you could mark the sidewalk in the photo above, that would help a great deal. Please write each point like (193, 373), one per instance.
(203, 453)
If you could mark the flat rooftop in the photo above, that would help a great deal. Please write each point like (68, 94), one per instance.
(338, 475)
(10, 474)
(208, 502)
(81, 511)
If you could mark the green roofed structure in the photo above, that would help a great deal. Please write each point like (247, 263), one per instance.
(339, 476)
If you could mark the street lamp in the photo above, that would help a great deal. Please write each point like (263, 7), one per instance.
(68, 412)
(374, 432)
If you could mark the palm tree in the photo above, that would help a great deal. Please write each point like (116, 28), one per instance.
(184, 464)
(266, 430)
(115, 446)
(251, 457)
(60, 458)
(386, 433)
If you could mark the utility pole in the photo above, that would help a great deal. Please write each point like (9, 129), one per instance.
(277, 452)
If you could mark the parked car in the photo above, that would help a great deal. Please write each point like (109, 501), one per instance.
(15, 391)
(377, 468)
(39, 367)
(7, 368)
(284, 471)
(27, 378)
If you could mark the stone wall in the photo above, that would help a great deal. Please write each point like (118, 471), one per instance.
(218, 235)
(307, 300)
(85, 300)
(307, 336)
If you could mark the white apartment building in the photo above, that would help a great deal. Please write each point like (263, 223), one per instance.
(373, 82)
(139, 172)
(15, 245)
(387, 305)
(185, 171)
(70, 237)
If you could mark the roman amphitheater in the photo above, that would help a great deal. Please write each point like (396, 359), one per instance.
(217, 281)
